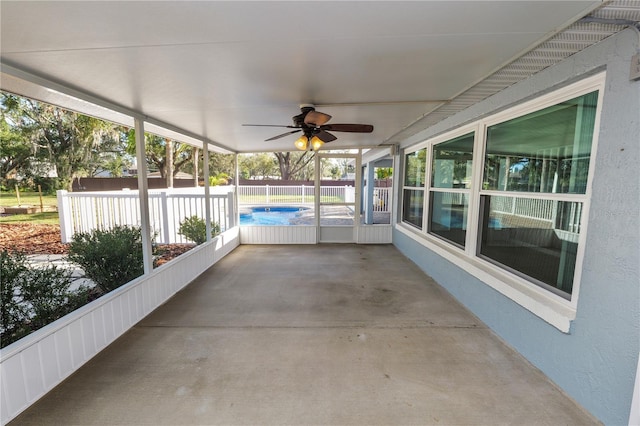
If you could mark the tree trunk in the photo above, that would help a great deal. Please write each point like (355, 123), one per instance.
(169, 162)
(284, 163)
(290, 166)
(196, 158)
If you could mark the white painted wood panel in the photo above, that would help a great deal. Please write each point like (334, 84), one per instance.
(369, 234)
(278, 234)
(375, 234)
(32, 366)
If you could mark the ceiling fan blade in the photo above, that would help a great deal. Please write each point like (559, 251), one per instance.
(325, 136)
(316, 118)
(353, 128)
(282, 135)
(270, 125)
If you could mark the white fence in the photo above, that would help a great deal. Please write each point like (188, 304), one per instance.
(294, 194)
(302, 194)
(278, 194)
(85, 211)
(382, 200)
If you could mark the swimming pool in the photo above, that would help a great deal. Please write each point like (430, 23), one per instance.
(276, 215)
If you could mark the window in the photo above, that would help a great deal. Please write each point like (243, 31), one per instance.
(450, 183)
(413, 189)
(524, 213)
(547, 151)
(534, 238)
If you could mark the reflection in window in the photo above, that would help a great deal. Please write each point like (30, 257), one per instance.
(545, 151)
(415, 164)
(413, 192)
(451, 168)
(532, 237)
(412, 207)
(448, 217)
(452, 163)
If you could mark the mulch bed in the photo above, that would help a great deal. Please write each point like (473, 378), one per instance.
(31, 238)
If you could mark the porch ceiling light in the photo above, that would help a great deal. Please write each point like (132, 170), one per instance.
(316, 143)
(302, 143)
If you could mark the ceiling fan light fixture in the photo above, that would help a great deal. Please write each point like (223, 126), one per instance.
(302, 143)
(315, 131)
(316, 143)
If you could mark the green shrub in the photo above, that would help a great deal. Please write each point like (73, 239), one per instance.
(219, 179)
(195, 229)
(110, 258)
(49, 185)
(33, 297)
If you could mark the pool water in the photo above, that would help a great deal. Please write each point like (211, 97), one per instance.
(270, 216)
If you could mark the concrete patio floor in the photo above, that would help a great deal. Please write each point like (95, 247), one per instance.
(326, 334)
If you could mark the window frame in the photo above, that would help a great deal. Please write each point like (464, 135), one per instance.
(553, 308)
(431, 189)
(422, 188)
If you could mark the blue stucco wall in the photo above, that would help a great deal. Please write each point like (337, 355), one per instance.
(596, 362)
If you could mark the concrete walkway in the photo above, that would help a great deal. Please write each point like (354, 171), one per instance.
(326, 334)
(60, 261)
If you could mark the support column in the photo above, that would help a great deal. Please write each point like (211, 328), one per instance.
(317, 195)
(207, 189)
(368, 215)
(143, 197)
(235, 220)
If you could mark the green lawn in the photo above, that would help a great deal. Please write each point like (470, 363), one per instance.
(47, 218)
(9, 199)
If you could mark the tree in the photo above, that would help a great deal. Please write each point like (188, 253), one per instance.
(384, 172)
(293, 165)
(260, 164)
(222, 163)
(73, 142)
(156, 153)
(15, 149)
(219, 164)
(116, 164)
(344, 168)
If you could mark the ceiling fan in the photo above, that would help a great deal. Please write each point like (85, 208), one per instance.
(315, 131)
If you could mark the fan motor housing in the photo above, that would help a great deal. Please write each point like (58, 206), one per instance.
(298, 120)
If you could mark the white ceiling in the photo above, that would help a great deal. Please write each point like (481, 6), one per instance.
(208, 67)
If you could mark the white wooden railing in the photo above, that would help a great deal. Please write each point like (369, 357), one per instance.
(381, 200)
(85, 211)
(532, 208)
(567, 219)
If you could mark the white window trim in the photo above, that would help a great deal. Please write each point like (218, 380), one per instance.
(413, 150)
(445, 137)
(548, 306)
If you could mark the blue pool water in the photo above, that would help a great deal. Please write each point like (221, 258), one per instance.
(269, 215)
